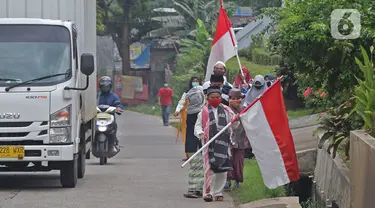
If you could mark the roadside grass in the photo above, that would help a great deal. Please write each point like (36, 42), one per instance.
(254, 69)
(174, 124)
(148, 109)
(253, 188)
(310, 204)
(303, 112)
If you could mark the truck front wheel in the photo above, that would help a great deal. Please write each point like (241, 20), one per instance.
(69, 173)
(82, 154)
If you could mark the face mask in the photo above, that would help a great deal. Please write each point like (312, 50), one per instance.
(165, 85)
(195, 84)
(214, 102)
(235, 103)
(269, 83)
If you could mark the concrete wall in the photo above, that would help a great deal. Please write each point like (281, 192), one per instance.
(332, 179)
(307, 161)
(281, 202)
(362, 153)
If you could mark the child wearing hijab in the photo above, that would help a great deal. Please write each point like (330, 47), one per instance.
(256, 89)
(238, 81)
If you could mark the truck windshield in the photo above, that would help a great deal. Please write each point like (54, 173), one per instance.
(32, 51)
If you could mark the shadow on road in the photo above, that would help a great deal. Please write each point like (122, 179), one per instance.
(30, 181)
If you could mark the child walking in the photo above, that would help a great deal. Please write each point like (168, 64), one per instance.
(239, 140)
(213, 118)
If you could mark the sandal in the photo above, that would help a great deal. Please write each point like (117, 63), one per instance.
(219, 198)
(191, 195)
(208, 198)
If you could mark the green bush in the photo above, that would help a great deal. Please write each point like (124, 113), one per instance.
(255, 69)
(245, 52)
(260, 56)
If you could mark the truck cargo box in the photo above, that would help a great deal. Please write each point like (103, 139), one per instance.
(83, 13)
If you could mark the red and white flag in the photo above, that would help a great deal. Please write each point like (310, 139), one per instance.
(266, 124)
(223, 45)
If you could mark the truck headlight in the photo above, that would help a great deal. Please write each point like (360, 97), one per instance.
(60, 126)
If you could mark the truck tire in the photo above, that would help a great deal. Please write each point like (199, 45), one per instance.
(82, 162)
(69, 173)
(88, 154)
(82, 153)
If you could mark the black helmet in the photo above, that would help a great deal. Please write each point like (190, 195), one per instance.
(105, 84)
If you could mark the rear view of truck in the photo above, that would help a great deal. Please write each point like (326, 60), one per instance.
(47, 86)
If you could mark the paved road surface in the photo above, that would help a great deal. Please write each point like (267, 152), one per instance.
(303, 138)
(145, 174)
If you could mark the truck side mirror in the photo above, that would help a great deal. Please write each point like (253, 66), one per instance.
(87, 64)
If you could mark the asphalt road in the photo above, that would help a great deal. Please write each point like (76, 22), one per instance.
(303, 138)
(145, 174)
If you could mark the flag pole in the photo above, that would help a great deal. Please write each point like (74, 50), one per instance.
(208, 143)
(239, 63)
(235, 46)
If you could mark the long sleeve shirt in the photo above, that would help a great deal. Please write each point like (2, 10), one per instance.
(198, 128)
(181, 103)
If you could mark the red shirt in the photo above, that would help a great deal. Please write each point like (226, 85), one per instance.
(165, 95)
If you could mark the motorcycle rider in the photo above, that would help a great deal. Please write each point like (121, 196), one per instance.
(106, 97)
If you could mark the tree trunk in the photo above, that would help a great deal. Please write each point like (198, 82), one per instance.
(125, 40)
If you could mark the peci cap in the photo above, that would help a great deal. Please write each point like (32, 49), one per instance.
(213, 89)
(235, 92)
(217, 78)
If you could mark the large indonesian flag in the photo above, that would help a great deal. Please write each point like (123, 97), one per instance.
(266, 124)
(223, 45)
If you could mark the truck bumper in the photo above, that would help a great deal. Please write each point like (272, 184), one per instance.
(34, 153)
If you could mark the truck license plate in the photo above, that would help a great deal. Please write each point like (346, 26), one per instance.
(12, 152)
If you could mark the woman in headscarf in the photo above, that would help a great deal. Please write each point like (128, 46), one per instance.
(256, 89)
(193, 100)
(238, 81)
(269, 79)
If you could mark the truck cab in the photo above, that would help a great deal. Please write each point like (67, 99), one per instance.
(46, 83)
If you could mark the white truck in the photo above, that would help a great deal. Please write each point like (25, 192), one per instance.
(47, 86)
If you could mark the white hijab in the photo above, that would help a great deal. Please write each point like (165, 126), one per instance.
(253, 93)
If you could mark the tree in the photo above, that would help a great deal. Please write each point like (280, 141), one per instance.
(303, 37)
(194, 54)
(205, 10)
(126, 21)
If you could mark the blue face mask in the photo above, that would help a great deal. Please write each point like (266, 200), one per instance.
(165, 85)
(195, 84)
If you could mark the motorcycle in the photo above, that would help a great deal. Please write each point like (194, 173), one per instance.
(103, 145)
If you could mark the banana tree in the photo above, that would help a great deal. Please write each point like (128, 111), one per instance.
(365, 92)
(194, 53)
(205, 10)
